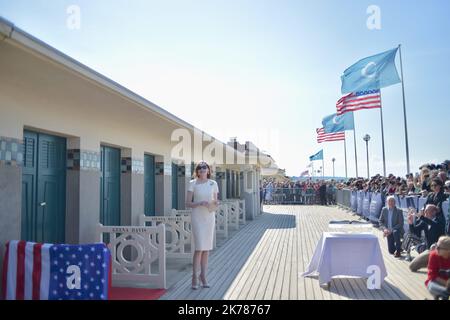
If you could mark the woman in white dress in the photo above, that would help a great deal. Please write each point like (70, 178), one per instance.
(202, 198)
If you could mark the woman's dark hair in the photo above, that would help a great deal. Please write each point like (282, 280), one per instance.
(438, 182)
(197, 167)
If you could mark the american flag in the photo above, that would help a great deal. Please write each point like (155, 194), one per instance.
(370, 99)
(36, 271)
(305, 173)
(324, 137)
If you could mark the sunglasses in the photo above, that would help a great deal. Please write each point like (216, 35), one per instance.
(204, 167)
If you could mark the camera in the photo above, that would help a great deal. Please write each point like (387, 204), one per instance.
(444, 273)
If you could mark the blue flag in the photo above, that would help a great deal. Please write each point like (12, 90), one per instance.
(335, 123)
(374, 72)
(317, 156)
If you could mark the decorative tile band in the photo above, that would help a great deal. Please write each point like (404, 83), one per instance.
(137, 166)
(11, 151)
(220, 175)
(83, 160)
(167, 169)
(181, 171)
(159, 168)
(188, 171)
(125, 164)
(129, 164)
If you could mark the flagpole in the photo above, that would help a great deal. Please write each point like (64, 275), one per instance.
(345, 155)
(382, 136)
(323, 168)
(354, 140)
(404, 111)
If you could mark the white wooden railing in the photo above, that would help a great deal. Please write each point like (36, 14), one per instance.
(179, 242)
(176, 212)
(147, 264)
(233, 212)
(242, 213)
(222, 220)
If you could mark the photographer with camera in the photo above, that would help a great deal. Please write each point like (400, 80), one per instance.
(430, 223)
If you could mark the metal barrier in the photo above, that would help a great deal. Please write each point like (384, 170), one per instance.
(343, 198)
(357, 201)
(296, 195)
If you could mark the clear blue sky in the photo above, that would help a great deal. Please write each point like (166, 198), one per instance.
(272, 68)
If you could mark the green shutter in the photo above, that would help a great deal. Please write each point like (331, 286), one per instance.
(110, 186)
(44, 188)
(149, 185)
(174, 186)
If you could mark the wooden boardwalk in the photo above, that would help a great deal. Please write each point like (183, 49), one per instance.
(263, 260)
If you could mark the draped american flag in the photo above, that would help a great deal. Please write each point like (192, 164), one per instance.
(325, 137)
(370, 99)
(36, 271)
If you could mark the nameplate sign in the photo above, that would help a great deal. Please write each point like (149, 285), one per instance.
(129, 230)
(165, 219)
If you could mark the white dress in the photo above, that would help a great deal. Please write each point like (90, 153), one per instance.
(203, 221)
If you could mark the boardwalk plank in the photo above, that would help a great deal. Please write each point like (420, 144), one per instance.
(264, 260)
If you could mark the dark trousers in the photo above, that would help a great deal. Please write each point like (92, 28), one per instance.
(323, 199)
(394, 242)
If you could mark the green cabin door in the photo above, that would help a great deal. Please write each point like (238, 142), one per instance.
(228, 177)
(174, 186)
(233, 184)
(43, 188)
(110, 186)
(149, 185)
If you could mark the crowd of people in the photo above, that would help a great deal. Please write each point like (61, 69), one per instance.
(428, 229)
(298, 192)
(418, 184)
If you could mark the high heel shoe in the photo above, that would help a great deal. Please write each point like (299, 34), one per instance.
(204, 283)
(195, 286)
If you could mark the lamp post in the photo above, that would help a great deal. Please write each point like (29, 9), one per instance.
(366, 138)
(333, 160)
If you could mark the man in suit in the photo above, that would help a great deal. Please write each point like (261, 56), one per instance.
(391, 222)
(432, 226)
(323, 194)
